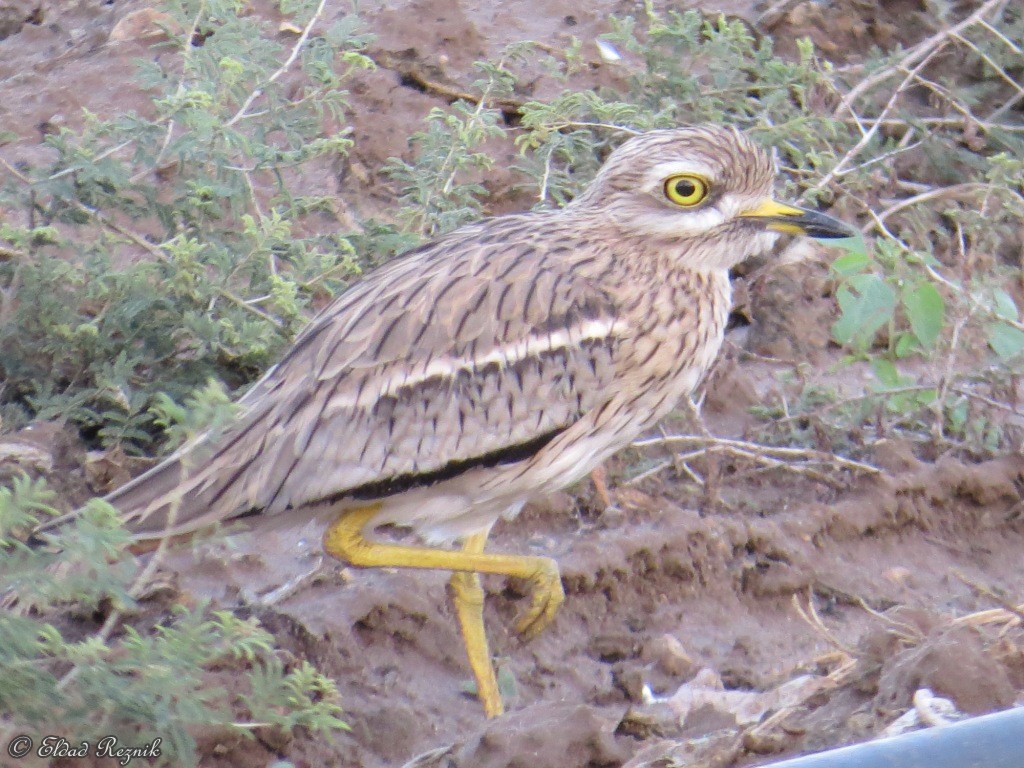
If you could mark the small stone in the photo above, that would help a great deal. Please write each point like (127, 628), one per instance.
(629, 680)
(766, 743)
(143, 23)
(668, 656)
(899, 575)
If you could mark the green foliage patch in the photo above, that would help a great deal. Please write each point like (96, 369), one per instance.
(79, 657)
(154, 251)
(152, 259)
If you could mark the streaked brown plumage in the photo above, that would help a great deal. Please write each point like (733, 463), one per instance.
(505, 359)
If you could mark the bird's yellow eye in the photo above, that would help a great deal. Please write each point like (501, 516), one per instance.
(686, 189)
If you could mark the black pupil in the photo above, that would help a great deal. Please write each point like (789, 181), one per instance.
(685, 188)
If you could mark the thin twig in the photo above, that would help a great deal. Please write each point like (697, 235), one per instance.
(996, 33)
(883, 158)
(990, 593)
(95, 159)
(905, 631)
(954, 190)
(864, 140)
(562, 124)
(987, 401)
(296, 50)
(759, 449)
(810, 615)
(992, 616)
(933, 122)
(190, 35)
(923, 49)
(988, 60)
(945, 94)
(650, 472)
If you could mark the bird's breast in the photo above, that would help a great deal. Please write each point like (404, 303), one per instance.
(678, 327)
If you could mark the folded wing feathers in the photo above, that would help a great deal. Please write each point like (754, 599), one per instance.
(429, 360)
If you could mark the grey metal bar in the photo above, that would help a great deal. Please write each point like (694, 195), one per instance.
(989, 741)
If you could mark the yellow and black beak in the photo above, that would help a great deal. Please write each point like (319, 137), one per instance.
(779, 217)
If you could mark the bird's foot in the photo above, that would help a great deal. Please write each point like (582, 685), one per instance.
(547, 596)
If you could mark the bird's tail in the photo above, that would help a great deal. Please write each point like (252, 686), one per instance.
(183, 493)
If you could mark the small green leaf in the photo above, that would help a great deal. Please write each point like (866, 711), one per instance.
(851, 263)
(1005, 307)
(854, 246)
(926, 311)
(867, 302)
(906, 345)
(956, 415)
(1006, 340)
(886, 373)
(507, 685)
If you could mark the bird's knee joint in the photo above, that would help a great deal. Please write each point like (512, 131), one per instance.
(466, 589)
(546, 572)
(345, 541)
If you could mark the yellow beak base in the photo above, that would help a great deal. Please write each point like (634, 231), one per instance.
(791, 219)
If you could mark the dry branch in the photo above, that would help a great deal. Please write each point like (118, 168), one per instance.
(769, 455)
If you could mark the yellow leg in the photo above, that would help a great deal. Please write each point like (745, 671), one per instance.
(344, 539)
(468, 597)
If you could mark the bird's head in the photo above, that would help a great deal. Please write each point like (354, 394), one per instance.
(707, 189)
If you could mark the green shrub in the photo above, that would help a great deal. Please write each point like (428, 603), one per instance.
(158, 250)
(79, 658)
(154, 256)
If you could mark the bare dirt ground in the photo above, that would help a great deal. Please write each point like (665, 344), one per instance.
(685, 612)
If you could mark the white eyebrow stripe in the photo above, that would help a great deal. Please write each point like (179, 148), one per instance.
(504, 356)
(656, 176)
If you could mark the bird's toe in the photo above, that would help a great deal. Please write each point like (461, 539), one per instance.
(548, 595)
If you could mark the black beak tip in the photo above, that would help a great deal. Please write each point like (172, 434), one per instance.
(832, 233)
(820, 226)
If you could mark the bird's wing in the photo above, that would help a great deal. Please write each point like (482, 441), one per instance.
(475, 349)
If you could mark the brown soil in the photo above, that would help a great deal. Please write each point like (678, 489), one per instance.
(663, 590)
(656, 592)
